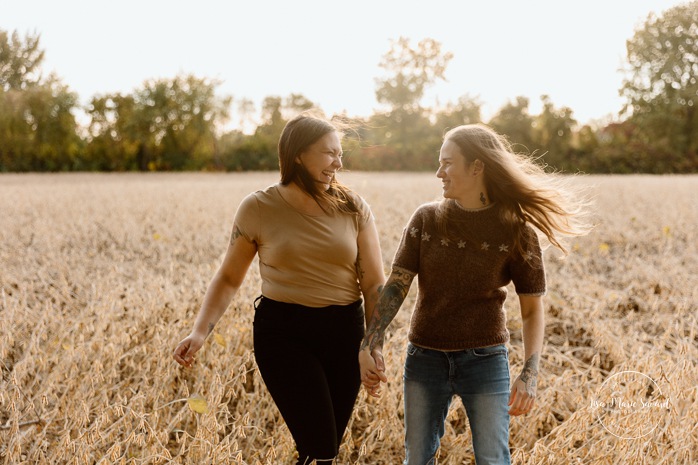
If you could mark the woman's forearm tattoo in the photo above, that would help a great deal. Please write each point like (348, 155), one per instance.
(529, 374)
(391, 297)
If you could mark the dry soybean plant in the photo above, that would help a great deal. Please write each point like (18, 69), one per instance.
(101, 275)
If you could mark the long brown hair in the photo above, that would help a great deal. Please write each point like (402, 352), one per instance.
(523, 191)
(299, 134)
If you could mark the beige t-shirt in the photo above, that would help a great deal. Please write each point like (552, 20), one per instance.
(303, 259)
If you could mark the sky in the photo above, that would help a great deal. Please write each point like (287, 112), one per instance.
(330, 51)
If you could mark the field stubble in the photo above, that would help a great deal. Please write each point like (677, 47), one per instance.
(101, 275)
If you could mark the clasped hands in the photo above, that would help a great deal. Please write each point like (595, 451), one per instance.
(372, 368)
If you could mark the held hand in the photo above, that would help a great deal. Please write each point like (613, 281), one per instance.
(523, 395)
(184, 353)
(372, 370)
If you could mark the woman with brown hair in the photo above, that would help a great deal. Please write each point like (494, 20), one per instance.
(465, 250)
(319, 253)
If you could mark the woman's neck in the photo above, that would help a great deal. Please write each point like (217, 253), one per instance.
(474, 201)
(299, 199)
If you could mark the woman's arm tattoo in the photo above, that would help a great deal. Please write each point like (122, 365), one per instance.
(235, 234)
(359, 270)
(391, 297)
(529, 374)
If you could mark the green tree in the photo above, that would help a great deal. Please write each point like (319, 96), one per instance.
(258, 151)
(273, 121)
(245, 111)
(466, 110)
(168, 124)
(49, 115)
(182, 115)
(584, 148)
(400, 140)
(410, 72)
(295, 104)
(553, 133)
(20, 61)
(38, 131)
(405, 130)
(515, 121)
(115, 134)
(661, 85)
(16, 139)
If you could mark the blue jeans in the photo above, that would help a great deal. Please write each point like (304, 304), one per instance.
(480, 377)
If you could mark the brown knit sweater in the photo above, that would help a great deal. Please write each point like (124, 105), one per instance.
(462, 277)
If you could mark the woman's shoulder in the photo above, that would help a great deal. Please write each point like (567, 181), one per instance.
(427, 209)
(360, 206)
(270, 191)
(265, 195)
(259, 198)
(529, 233)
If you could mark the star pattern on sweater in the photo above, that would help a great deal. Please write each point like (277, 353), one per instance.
(528, 255)
(446, 242)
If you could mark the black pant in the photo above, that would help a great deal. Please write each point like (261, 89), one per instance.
(308, 358)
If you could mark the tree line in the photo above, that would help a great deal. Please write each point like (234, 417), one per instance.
(174, 124)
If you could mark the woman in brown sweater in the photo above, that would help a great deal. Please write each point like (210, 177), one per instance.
(466, 249)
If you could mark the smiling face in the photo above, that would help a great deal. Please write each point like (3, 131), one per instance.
(463, 180)
(455, 173)
(323, 159)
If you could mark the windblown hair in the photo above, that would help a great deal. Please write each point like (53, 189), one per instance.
(299, 134)
(523, 191)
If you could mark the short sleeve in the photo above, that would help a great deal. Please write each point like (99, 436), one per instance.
(528, 271)
(247, 218)
(407, 254)
(365, 213)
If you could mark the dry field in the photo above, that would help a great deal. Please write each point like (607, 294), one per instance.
(101, 275)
